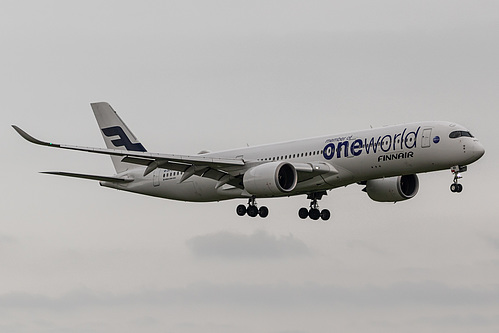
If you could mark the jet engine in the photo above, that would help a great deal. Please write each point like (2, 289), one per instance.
(270, 179)
(392, 189)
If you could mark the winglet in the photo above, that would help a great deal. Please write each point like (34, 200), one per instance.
(31, 139)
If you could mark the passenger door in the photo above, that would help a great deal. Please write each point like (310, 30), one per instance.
(426, 139)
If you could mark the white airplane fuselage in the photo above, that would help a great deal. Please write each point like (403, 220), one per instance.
(342, 159)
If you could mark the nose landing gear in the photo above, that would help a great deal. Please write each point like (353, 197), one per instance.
(314, 213)
(457, 170)
(252, 209)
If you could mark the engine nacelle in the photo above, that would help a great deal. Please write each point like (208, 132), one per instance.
(270, 179)
(393, 189)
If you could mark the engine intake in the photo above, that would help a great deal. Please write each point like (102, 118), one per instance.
(270, 179)
(392, 189)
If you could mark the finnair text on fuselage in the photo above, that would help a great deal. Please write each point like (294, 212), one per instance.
(343, 146)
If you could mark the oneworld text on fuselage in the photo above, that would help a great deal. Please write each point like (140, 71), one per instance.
(348, 146)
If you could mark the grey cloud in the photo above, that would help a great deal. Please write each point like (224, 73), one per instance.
(468, 320)
(6, 239)
(146, 321)
(259, 245)
(493, 241)
(430, 294)
(365, 245)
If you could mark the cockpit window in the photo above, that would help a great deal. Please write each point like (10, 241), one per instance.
(458, 134)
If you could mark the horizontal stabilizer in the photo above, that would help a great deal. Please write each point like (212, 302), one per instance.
(91, 177)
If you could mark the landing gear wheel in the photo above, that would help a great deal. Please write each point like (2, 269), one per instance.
(303, 213)
(252, 211)
(314, 214)
(263, 212)
(325, 214)
(241, 210)
(456, 188)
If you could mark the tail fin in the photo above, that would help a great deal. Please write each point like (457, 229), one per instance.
(115, 133)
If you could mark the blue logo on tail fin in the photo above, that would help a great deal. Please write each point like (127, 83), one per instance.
(123, 140)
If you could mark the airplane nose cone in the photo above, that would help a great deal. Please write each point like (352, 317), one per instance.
(478, 150)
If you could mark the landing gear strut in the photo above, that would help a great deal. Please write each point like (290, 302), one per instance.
(455, 186)
(314, 213)
(252, 209)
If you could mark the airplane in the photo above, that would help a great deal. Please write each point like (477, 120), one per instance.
(385, 160)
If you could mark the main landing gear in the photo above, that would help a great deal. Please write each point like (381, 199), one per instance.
(455, 186)
(314, 213)
(252, 210)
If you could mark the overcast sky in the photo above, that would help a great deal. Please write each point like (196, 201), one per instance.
(193, 75)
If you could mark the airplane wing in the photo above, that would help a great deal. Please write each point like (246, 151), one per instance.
(223, 170)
